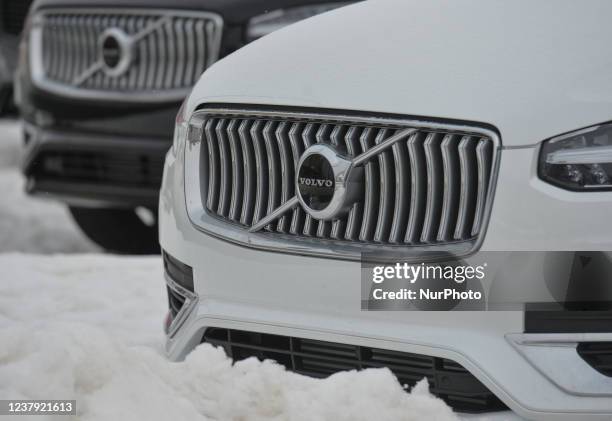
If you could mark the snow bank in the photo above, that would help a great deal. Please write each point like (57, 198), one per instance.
(88, 328)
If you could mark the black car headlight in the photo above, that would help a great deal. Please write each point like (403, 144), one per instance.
(276, 19)
(579, 161)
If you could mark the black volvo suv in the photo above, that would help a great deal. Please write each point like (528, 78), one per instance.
(99, 84)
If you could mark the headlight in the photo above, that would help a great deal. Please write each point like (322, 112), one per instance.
(580, 161)
(180, 129)
(276, 19)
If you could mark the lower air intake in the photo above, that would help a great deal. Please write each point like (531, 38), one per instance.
(598, 355)
(447, 379)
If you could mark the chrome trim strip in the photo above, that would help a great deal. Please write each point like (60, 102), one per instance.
(548, 352)
(41, 81)
(276, 242)
(275, 214)
(191, 301)
(382, 146)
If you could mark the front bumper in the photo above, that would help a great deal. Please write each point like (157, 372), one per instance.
(90, 169)
(307, 297)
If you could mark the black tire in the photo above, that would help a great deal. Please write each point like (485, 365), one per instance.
(117, 230)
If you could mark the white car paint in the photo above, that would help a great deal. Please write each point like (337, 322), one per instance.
(530, 70)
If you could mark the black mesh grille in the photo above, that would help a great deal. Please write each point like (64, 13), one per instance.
(14, 13)
(125, 169)
(447, 379)
(598, 355)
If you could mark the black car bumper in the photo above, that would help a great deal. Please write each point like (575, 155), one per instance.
(89, 169)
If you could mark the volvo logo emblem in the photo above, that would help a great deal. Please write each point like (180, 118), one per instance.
(316, 182)
(329, 183)
(116, 51)
(326, 182)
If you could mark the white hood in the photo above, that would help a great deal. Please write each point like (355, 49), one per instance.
(531, 69)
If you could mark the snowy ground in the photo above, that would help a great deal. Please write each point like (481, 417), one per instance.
(87, 326)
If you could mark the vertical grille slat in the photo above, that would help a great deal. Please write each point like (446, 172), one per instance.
(370, 207)
(180, 50)
(170, 50)
(75, 45)
(418, 188)
(450, 161)
(152, 67)
(90, 41)
(133, 73)
(353, 222)
(483, 158)
(298, 216)
(323, 133)
(427, 190)
(402, 193)
(64, 58)
(189, 78)
(287, 171)
(250, 171)
(433, 163)
(200, 42)
(387, 199)
(336, 137)
(309, 139)
(226, 168)
(213, 166)
(274, 170)
(142, 55)
(261, 165)
(468, 165)
(237, 171)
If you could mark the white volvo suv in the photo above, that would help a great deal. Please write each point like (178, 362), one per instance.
(403, 129)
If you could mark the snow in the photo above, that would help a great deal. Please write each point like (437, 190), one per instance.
(77, 324)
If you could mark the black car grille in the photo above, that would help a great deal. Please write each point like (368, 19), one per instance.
(124, 169)
(168, 52)
(447, 379)
(182, 275)
(598, 355)
(14, 13)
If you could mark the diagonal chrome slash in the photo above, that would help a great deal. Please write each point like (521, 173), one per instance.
(143, 33)
(381, 147)
(356, 162)
(87, 73)
(275, 214)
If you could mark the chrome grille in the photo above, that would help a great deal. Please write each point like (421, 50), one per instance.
(166, 51)
(430, 189)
